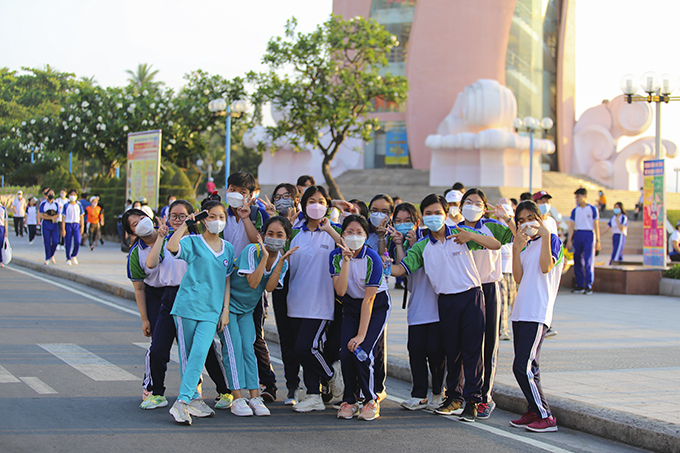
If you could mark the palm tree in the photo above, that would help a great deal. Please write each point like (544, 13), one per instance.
(143, 78)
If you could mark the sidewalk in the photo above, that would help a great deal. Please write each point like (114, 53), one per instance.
(612, 370)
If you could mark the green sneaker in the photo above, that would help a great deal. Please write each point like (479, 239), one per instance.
(154, 401)
(224, 401)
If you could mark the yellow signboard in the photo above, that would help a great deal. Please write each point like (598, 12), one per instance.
(144, 166)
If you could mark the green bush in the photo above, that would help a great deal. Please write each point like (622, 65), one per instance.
(58, 179)
(111, 193)
(673, 272)
(175, 182)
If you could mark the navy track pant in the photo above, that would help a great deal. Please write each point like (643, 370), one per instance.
(584, 258)
(492, 303)
(264, 365)
(284, 327)
(528, 338)
(426, 348)
(310, 338)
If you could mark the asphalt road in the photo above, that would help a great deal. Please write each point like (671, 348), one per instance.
(71, 362)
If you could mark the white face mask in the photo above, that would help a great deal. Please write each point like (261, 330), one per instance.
(355, 241)
(235, 199)
(472, 213)
(454, 210)
(144, 227)
(72, 198)
(377, 218)
(215, 226)
(530, 228)
(508, 209)
(544, 208)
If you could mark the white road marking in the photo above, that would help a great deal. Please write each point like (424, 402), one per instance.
(6, 377)
(80, 293)
(174, 356)
(38, 385)
(499, 432)
(88, 363)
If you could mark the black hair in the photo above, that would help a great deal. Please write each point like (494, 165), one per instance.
(408, 207)
(382, 196)
(514, 201)
(581, 191)
(62, 190)
(528, 205)
(242, 179)
(304, 179)
(363, 208)
(293, 190)
(525, 196)
(128, 201)
(458, 186)
(137, 201)
(431, 199)
(482, 195)
(189, 207)
(44, 189)
(285, 223)
(72, 191)
(623, 211)
(213, 200)
(171, 196)
(311, 191)
(126, 216)
(355, 218)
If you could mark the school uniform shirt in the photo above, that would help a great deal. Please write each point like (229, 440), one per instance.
(201, 293)
(489, 262)
(3, 220)
(310, 288)
(551, 225)
(537, 291)
(70, 213)
(615, 226)
(172, 269)
(235, 230)
(365, 271)
(32, 215)
(674, 237)
(423, 307)
(62, 202)
(243, 297)
(46, 206)
(137, 270)
(506, 258)
(449, 266)
(584, 217)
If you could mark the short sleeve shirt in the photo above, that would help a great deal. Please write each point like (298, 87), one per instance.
(201, 293)
(19, 207)
(3, 218)
(47, 206)
(235, 230)
(584, 217)
(71, 213)
(365, 271)
(674, 237)
(137, 270)
(93, 213)
(490, 262)
(172, 269)
(244, 299)
(615, 226)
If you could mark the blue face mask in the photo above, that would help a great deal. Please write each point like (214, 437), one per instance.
(434, 222)
(404, 228)
(617, 211)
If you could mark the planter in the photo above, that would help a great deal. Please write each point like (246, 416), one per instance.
(669, 287)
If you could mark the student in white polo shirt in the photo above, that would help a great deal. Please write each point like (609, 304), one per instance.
(3, 231)
(453, 198)
(446, 255)
(537, 264)
(358, 279)
(72, 226)
(311, 297)
(48, 214)
(619, 226)
(584, 237)
(542, 199)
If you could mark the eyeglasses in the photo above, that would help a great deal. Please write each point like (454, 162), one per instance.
(181, 217)
(479, 204)
(377, 211)
(284, 196)
(399, 222)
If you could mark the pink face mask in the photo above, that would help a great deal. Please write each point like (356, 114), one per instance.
(316, 211)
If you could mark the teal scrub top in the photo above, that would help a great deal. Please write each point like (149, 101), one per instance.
(244, 299)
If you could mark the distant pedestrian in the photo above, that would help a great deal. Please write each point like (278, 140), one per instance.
(640, 204)
(584, 238)
(601, 201)
(72, 227)
(542, 199)
(61, 201)
(537, 264)
(83, 206)
(48, 213)
(32, 219)
(619, 226)
(19, 207)
(674, 244)
(166, 209)
(95, 220)
(304, 182)
(3, 231)
(210, 185)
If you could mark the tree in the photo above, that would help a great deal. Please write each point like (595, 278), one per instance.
(143, 78)
(327, 82)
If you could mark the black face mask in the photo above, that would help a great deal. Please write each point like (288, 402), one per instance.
(50, 197)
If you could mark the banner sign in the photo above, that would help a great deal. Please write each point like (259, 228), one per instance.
(144, 166)
(397, 147)
(654, 246)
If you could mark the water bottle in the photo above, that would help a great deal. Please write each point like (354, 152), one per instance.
(361, 354)
(387, 265)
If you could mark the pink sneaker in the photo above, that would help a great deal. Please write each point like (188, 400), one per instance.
(527, 419)
(543, 425)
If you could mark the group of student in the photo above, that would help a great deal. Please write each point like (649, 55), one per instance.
(326, 263)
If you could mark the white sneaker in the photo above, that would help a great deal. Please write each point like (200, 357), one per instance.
(258, 407)
(30, 242)
(198, 408)
(47, 262)
(337, 383)
(68, 262)
(435, 402)
(74, 260)
(180, 411)
(310, 403)
(414, 404)
(240, 407)
(54, 260)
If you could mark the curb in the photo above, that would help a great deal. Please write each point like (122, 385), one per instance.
(637, 431)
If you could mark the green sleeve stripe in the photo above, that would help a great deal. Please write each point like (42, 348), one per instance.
(500, 232)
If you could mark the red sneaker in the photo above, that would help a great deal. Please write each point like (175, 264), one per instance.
(544, 425)
(528, 418)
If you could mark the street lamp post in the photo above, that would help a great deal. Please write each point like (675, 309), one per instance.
(201, 166)
(531, 125)
(676, 170)
(219, 107)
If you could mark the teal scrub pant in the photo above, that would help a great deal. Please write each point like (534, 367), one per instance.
(238, 353)
(193, 339)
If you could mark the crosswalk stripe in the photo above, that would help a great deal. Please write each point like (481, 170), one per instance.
(174, 356)
(38, 385)
(6, 377)
(88, 363)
